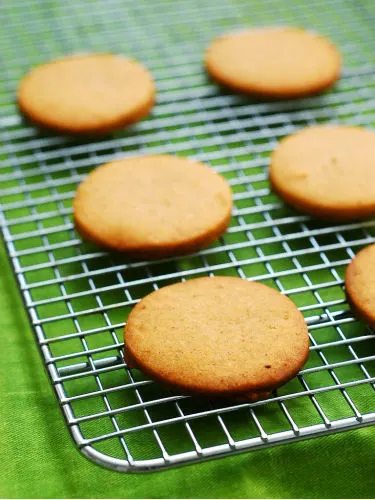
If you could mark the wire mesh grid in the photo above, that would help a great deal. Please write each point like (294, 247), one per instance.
(78, 296)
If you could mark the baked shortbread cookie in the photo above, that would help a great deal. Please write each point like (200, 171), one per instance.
(274, 62)
(87, 94)
(153, 206)
(327, 171)
(360, 284)
(220, 337)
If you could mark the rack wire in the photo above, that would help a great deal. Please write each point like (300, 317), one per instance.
(78, 296)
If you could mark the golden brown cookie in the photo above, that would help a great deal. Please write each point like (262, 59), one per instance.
(274, 62)
(153, 206)
(360, 284)
(220, 336)
(327, 171)
(87, 94)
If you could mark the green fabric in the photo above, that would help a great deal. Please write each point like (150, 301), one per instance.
(38, 458)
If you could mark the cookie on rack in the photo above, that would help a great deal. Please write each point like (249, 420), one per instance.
(153, 206)
(221, 337)
(360, 285)
(327, 171)
(87, 94)
(274, 62)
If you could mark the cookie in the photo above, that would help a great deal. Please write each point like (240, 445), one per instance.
(153, 206)
(87, 94)
(360, 284)
(220, 336)
(274, 62)
(327, 171)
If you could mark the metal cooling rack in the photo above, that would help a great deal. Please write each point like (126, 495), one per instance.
(78, 296)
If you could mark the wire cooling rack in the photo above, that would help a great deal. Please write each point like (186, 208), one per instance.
(78, 297)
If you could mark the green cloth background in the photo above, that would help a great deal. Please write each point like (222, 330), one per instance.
(38, 458)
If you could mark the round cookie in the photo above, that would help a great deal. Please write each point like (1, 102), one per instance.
(153, 206)
(87, 94)
(360, 284)
(274, 62)
(327, 171)
(220, 336)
